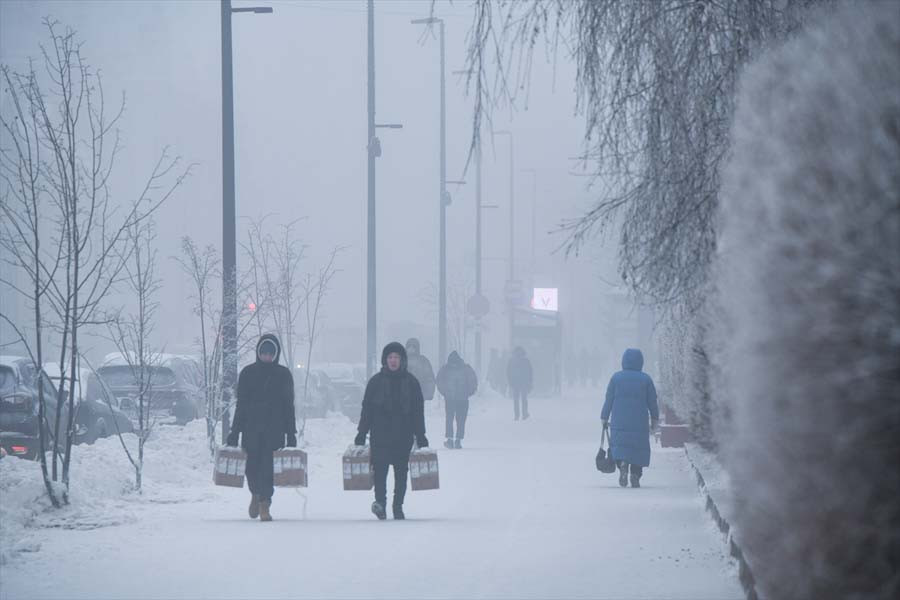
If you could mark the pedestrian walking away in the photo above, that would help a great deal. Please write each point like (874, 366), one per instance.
(520, 376)
(393, 412)
(264, 420)
(456, 381)
(629, 406)
(420, 368)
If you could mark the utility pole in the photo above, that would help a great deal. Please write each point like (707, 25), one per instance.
(370, 243)
(533, 222)
(512, 214)
(229, 233)
(478, 291)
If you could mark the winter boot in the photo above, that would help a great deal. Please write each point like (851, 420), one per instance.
(378, 510)
(458, 444)
(398, 513)
(264, 514)
(635, 481)
(448, 444)
(623, 475)
(254, 506)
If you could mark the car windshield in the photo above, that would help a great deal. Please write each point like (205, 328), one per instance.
(122, 375)
(7, 380)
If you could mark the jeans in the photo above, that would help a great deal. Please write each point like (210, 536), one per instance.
(457, 410)
(260, 470)
(520, 396)
(401, 468)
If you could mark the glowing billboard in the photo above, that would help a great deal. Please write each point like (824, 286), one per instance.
(545, 299)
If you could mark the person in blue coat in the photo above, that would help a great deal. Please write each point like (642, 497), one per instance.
(630, 399)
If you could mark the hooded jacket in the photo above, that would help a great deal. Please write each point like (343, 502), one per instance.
(456, 380)
(420, 368)
(393, 409)
(519, 372)
(265, 401)
(630, 405)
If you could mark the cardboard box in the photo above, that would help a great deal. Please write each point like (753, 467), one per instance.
(358, 468)
(290, 468)
(229, 466)
(423, 469)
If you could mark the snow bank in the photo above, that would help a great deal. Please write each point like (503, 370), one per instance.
(809, 272)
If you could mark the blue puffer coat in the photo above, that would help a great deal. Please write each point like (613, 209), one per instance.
(630, 400)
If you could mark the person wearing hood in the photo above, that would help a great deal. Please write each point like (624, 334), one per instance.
(420, 368)
(457, 382)
(630, 400)
(520, 376)
(264, 418)
(393, 411)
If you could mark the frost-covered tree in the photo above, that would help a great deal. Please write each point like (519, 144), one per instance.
(809, 273)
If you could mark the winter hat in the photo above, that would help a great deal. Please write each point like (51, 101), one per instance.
(268, 344)
(412, 344)
(394, 347)
(267, 347)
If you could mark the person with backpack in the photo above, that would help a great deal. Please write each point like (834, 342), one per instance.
(630, 400)
(264, 418)
(456, 381)
(393, 410)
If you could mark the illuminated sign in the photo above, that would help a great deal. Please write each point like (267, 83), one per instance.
(545, 299)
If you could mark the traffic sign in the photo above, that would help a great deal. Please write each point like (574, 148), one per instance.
(478, 306)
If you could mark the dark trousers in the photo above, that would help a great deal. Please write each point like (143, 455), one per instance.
(520, 396)
(260, 470)
(457, 410)
(635, 470)
(401, 468)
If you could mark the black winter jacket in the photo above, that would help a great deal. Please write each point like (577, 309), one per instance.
(457, 380)
(393, 409)
(265, 401)
(518, 371)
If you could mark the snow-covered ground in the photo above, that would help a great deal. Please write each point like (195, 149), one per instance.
(521, 513)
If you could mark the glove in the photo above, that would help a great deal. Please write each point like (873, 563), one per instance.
(421, 441)
(232, 439)
(291, 440)
(360, 439)
(605, 423)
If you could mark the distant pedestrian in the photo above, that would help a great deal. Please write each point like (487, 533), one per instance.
(393, 410)
(630, 405)
(520, 376)
(264, 417)
(420, 368)
(457, 382)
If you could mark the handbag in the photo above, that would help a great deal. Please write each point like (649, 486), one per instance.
(604, 460)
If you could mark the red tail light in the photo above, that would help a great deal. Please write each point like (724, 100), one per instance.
(19, 449)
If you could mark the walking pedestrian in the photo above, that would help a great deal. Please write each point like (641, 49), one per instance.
(264, 418)
(630, 399)
(420, 368)
(457, 382)
(520, 376)
(393, 410)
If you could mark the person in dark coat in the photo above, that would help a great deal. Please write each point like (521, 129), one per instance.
(519, 374)
(420, 367)
(393, 410)
(264, 417)
(630, 400)
(456, 381)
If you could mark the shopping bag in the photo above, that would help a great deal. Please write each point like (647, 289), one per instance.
(290, 468)
(229, 466)
(358, 468)
(423, 469)
(604, 459)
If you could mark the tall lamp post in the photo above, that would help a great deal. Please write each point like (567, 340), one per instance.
(373, 149)
(533, 220)
(443, 201)
(229, 233)
(512, 262)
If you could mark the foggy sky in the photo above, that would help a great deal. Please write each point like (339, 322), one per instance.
(300, 140)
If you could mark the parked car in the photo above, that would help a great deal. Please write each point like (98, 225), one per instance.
(97, 412)
(174, 388)
(19, 407)
(346, 392)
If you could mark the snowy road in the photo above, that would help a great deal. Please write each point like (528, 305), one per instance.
(522, 513)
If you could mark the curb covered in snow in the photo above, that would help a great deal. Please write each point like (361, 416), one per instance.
(718, 504)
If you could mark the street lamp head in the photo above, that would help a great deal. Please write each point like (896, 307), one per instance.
(259, 10)
(428, 21)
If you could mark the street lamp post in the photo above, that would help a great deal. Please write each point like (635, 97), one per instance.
(229, 233)
(443, 201)
(533, 221)
(512, 268)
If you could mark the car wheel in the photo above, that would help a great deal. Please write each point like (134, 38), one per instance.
(100, 430)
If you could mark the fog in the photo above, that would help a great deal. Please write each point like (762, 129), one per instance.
(300, 152)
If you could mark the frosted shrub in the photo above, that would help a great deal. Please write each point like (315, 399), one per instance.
(809, 273)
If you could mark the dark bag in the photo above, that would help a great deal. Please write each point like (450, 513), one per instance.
(604, 460)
